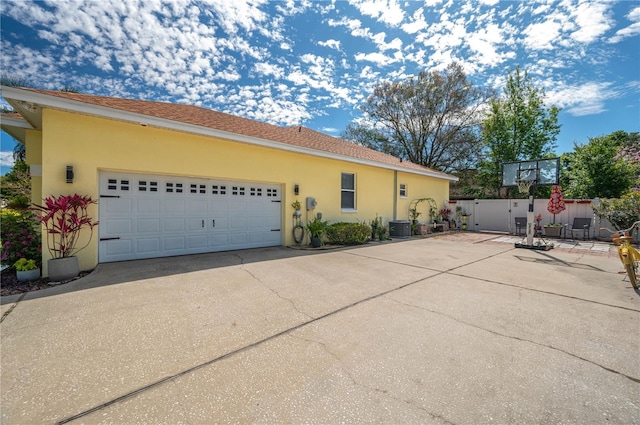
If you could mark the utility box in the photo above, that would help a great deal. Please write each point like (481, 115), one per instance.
(311, 203)
(400, 229)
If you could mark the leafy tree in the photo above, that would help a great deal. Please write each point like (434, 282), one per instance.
(15, 186)
(431, 119)
(518, 126)
(601, 168)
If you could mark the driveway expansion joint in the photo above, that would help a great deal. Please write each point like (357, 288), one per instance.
(516, 338)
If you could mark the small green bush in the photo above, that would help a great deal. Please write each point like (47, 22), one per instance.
(623, 212)
(343, 233)
(19, 236)
(378, 229)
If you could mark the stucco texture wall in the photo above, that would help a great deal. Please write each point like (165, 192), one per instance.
(93, 144)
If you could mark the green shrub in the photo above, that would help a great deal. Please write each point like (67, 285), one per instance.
(378, 229)
(343, 233)
(623, 212)
(19, 236)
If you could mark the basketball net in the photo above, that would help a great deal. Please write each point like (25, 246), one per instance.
(524, 185)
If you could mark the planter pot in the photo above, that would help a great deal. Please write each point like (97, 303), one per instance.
(553, 231)
(316, 242)
(28, 275)
(297, 213)
(63, 268)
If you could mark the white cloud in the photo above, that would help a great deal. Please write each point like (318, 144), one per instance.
(378, 58)
(332, 44)
(581, 99)
(631, 30)
(387, 11)
(417, 23)
(539, 36)
(6, 159)
(593, 21)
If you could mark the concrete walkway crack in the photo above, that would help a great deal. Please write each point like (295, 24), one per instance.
(384, 392)
(276, 293)
(6, 313)
(516, 338)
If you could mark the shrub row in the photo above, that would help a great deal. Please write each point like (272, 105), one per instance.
(343, 233)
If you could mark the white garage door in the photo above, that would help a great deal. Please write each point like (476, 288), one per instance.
(147, 216)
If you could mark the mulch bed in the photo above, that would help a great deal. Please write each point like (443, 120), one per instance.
(11, 285)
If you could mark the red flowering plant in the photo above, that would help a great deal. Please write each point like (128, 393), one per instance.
(556, 203)
(63, 217)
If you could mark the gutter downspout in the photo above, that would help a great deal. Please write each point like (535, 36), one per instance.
(395, 195)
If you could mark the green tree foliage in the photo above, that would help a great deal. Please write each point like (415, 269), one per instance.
(518, 126)
(15, 186)
(606, 167)
(623, 212)
(431, 119)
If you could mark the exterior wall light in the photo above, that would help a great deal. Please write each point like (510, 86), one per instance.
(296, 189)
(69, 173)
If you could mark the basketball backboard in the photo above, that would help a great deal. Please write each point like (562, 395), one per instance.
(545, 172)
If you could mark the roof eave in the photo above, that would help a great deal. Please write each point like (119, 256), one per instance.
(45, 100)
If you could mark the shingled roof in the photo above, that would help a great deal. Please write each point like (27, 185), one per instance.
(298, 136)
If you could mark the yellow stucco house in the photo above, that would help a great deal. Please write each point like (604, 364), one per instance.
(176, 179)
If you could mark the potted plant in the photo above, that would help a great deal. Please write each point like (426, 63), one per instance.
(444, 213)
(465, 216)
(316, 229)
(63, 218)
(26, 270)
(296, 206)
(555, 206)
(553, 229)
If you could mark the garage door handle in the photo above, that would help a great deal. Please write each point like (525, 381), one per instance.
(109, 196)
(213, 223)
(202, 223)
(110, 239)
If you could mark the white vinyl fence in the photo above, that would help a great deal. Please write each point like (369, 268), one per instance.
(499, 215)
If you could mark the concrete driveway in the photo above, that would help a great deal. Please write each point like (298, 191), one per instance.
(431, 331)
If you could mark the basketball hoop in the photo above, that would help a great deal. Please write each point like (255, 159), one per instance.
(524, 185)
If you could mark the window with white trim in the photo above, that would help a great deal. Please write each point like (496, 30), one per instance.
(403, 190)
(348, 191)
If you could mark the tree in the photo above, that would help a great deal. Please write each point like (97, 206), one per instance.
(431, 119)
(606, 167)
(15, 186)
(518, 126)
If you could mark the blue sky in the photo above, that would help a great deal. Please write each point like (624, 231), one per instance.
(313, 63)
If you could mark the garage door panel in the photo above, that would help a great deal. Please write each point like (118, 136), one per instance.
(149, 206)
(175, 243)
(148, 245)
(174, 206)
(115, 227)
(148, 225)
(237, 223)
(237, 238)
(220, 240)
(117, 205)
(200, 207)
(174, 224)
(119, 248)
(198, 241)
(146, 216)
